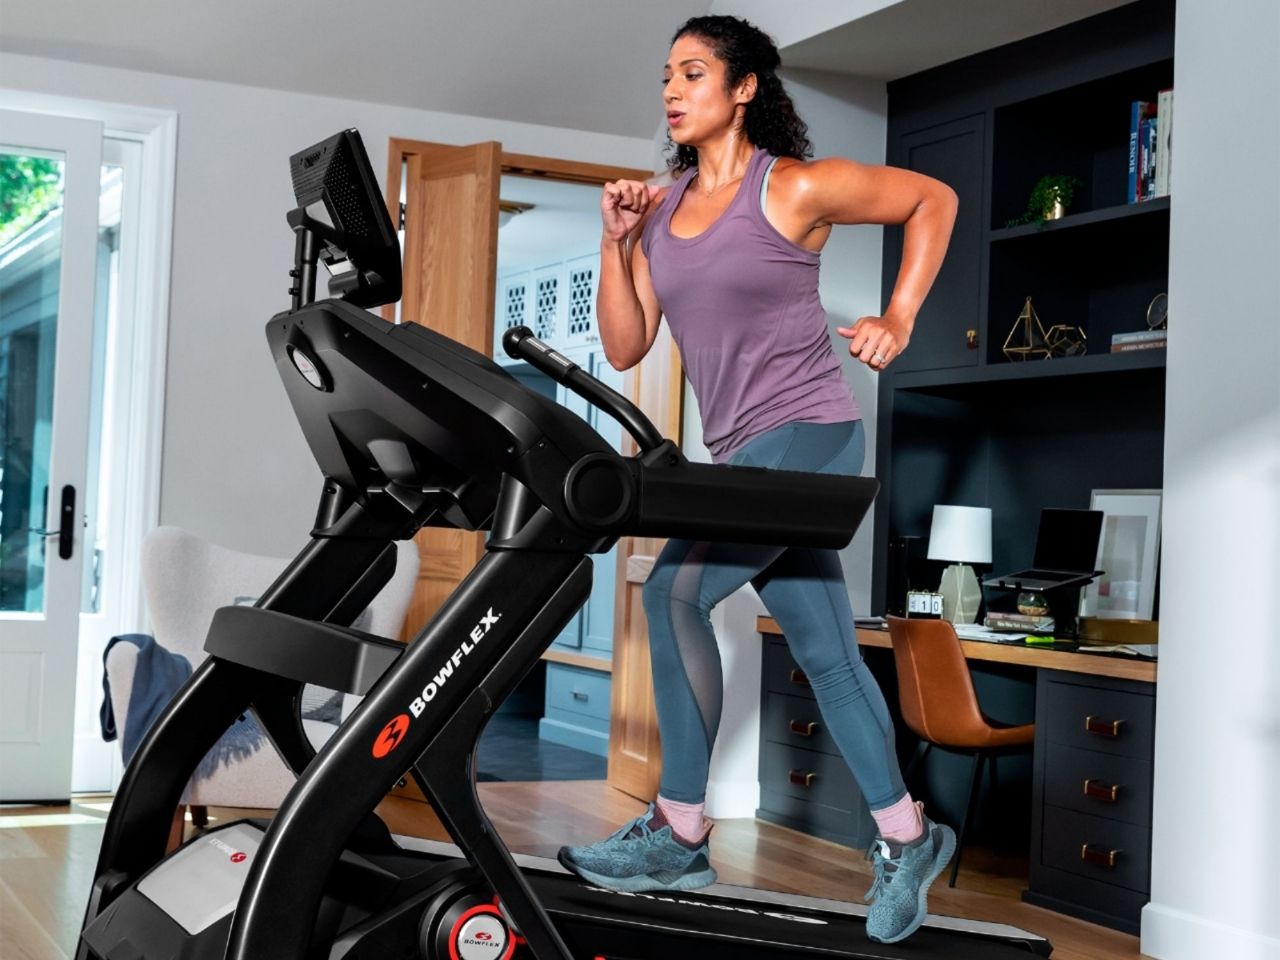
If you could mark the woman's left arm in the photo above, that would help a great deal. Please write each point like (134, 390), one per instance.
(833, 191)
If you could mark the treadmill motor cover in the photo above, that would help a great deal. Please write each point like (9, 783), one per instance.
(214, 866)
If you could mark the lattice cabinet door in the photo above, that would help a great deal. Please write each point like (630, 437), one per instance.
(514, 307)
(547, 317)
(582, 275)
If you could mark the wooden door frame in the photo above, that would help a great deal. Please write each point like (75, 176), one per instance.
(636, 774)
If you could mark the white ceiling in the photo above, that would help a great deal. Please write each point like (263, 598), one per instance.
(907, 37)
(580, 64)
(564, 222)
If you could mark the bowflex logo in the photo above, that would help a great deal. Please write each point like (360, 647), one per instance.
(433, 687)
(394, 732)
(234, 855)
(391, 736)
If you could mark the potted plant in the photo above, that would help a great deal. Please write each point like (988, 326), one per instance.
(1050, 198)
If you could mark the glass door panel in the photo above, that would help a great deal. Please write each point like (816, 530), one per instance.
(31, 197)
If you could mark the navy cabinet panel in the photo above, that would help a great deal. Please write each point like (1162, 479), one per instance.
(955, 154)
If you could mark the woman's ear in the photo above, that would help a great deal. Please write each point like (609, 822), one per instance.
(746, 91)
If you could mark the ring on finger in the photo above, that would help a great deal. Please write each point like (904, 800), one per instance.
(881, 361)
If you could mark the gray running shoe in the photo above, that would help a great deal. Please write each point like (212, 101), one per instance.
(644, 854)
(899, 895)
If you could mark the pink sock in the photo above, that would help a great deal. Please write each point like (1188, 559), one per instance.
(686, 819)
(902, 823)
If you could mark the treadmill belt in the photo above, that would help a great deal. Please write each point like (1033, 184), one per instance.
(640, 926)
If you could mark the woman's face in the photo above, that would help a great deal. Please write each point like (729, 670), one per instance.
(693, 92)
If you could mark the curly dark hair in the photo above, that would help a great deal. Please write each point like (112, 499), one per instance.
(771, 121)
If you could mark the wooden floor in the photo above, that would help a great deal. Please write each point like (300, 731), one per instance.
(47, 857)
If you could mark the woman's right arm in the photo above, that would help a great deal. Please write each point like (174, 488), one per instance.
(626, 306)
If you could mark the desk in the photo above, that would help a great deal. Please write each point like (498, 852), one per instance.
(1097, 665)
(1090, 780)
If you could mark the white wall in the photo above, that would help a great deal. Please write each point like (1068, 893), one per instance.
(846, 118)
(1216, 834)
(235, 467)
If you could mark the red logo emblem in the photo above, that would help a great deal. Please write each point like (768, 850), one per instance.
(390, 736)
(238, 857)
(484, 936)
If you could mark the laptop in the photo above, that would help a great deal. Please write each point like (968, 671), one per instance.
(1066, 551)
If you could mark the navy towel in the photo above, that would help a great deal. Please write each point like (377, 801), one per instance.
(156, 679)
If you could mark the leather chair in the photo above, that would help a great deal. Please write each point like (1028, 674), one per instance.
(938, 703)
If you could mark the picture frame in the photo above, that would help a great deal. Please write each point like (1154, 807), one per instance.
(1128, 552)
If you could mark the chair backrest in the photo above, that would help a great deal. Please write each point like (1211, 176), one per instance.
(935, 688)
(186, 578)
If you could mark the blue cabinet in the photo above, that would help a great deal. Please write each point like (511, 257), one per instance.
(577, 708)
(577, 699)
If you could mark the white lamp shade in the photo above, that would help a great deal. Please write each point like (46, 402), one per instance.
(960, 534)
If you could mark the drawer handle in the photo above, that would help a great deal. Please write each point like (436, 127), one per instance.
(803, 729)
(579, 695)
(1096, 855)
(1103, 728)
(1100, 791)
(797, 676)
(801, 778)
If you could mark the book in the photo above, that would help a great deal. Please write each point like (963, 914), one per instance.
(1018, 622)
(1142, 345)
(1164, 141)
(1148, 156)
(1138, 336)
(1139, 110)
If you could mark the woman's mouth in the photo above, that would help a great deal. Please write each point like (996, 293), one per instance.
(674, 118)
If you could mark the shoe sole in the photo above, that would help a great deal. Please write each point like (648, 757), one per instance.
(922, 899)
(642, 883)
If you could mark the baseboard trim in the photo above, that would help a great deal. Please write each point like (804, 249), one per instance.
(1169, 934)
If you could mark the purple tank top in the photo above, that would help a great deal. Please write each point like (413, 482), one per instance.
(742, 303)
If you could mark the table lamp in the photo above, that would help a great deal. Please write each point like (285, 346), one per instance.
(960, 535)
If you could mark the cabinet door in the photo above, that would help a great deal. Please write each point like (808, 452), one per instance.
(592, 628)
(953, 153)
(582, 277)
(514, 306)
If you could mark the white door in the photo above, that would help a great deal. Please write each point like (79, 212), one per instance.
(48, 245)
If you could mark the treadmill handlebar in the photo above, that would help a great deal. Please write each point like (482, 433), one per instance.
(521, 344)
(702, 501)
(668, 496)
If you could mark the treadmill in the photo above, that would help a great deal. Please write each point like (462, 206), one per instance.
(411, 429)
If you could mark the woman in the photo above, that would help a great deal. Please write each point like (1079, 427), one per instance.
(729, 254)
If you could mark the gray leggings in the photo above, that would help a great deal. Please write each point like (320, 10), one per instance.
(804, 590)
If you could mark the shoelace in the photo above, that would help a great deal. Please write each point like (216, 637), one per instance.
(636, 829)
(883, 864)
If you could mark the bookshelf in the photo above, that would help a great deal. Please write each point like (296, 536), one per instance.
(957, 421)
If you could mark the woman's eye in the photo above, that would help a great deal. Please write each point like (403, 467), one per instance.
(693, 76)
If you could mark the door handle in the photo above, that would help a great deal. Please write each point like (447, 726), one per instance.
(66, 532)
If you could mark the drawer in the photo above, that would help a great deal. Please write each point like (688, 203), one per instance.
(808, 775)
(1101, 784)
(797, 722)
(1108, 720)
(780, 673)
(580, 691)
(1108, 851)
(856, 828)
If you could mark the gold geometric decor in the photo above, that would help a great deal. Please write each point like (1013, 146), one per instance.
(1027, 339)
(1064, 340)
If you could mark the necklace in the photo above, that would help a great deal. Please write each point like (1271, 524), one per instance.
(716, 189)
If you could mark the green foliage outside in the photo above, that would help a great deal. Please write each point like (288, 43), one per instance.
(29, 188)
